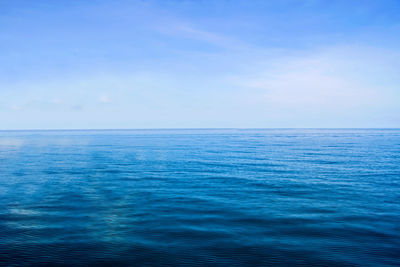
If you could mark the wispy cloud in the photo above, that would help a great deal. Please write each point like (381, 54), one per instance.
(16, 107)
(335, 80)
(186, 30)
(105, 99)
(77, 107)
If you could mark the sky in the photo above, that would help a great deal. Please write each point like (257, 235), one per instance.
(101, 64)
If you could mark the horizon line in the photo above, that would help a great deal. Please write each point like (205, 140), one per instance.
(205, 128)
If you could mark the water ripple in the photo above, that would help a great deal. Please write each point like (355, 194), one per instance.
(200, 197)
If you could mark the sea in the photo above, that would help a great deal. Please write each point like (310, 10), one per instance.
(200, 197)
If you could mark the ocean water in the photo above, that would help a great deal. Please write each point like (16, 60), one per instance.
(327, 197)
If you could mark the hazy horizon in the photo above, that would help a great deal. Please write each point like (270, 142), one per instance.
(202, 128)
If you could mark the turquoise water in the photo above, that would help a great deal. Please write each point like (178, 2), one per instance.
(200, 197)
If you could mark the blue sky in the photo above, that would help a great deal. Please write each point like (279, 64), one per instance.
(166, 64)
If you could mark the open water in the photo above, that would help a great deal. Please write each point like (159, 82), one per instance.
(200, 197)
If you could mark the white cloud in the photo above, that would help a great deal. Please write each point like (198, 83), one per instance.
(104, 99)
(334, 78)
(16, 107)
(187, 30)
(56, 101)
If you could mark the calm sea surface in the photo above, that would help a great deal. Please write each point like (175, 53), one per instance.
(200, 197)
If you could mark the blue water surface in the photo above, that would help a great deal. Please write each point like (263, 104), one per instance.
(200, 197)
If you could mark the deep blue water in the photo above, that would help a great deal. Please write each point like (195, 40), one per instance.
(200, 197)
